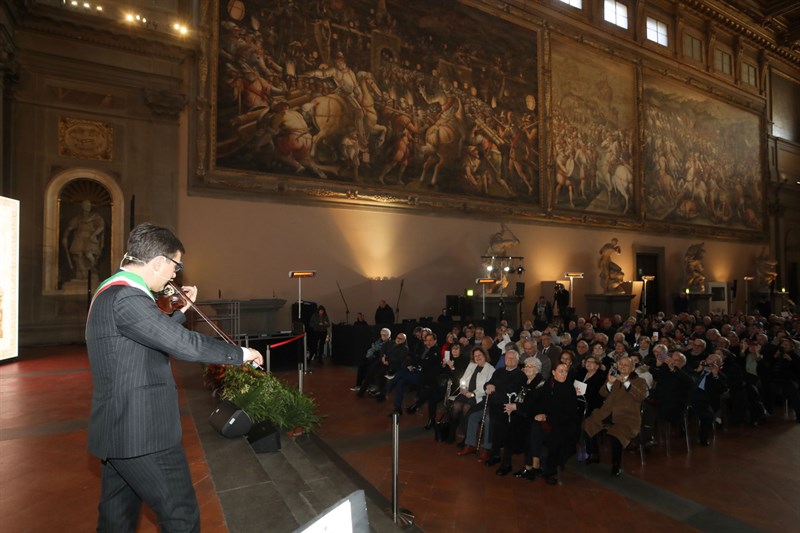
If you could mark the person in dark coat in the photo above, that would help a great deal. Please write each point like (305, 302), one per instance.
(384, 316)
(704, 399)
(591, 374)
(671, 391)
(503, 387)
(525, 434)
(560, 414)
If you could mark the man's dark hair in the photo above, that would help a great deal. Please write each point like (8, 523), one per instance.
(148, 241)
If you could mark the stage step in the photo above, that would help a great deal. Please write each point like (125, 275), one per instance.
(277, 491)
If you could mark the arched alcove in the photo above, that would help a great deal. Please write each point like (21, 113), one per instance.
(83, 230)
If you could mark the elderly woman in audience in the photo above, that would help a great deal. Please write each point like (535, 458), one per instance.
(560, 417)
(619, 416)
(594, 378)
(525, 433)
(471, 392)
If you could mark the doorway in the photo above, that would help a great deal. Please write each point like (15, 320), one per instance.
(649, 263)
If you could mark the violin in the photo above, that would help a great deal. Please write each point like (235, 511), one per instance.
(172, 298)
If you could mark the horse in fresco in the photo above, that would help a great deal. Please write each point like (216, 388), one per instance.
(334, 118)
(615, 176)
(442, 140)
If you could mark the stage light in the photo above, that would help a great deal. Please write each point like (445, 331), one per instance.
(302, 273)
(506, 268)
(489, 268)
(520, 270)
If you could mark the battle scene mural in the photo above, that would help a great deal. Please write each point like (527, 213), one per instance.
(701, 160)
(409, 95)
(593, 123)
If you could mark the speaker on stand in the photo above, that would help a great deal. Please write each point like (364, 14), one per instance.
(519, 292)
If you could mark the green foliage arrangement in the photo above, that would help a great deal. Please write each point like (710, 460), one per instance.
(265, 397)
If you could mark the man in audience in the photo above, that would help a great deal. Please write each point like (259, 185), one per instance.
(388, 364)
(531, 349)
(384, 316)
(375, 351)
(672, 386)
(418, 372)
(704, 399)
(696, 354)
(550, 350)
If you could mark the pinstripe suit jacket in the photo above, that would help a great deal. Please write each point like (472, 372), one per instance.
(135, 398)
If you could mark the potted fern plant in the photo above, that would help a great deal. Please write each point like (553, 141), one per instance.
(264, 397)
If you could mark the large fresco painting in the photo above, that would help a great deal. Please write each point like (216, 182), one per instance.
(701, 158)
(593, 124)
(407, 96)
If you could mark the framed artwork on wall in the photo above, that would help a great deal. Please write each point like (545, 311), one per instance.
(702, 160)
(593, 129)
(399, 102)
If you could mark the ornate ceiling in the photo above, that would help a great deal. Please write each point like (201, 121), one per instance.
(779, 16)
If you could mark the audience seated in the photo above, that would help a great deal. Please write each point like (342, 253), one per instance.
(715, 369)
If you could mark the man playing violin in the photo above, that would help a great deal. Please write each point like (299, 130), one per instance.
(135, 426)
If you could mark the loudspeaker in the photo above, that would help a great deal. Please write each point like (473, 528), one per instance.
(264, 437)
(306, 312)
(519, 289)
(230, 421)
(453, 305)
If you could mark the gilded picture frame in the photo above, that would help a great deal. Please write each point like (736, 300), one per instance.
(414, 105)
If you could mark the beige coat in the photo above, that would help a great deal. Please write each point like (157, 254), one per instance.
(623, 406)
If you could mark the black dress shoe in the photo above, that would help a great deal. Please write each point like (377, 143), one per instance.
(503, 470)
(521, 473)
(411, 409)
(615, 471)
(492, 461)
(429, 425)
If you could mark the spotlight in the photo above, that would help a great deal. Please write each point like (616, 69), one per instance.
(520, 270)
(489, 268)
(506, 269)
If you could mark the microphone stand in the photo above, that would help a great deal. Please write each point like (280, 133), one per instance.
(397, 305)
(346, 309)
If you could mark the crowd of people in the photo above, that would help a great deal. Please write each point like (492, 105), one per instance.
(572, 385)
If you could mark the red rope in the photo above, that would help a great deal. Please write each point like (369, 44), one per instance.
(287, 341)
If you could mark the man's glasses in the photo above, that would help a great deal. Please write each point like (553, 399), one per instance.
(178, 266)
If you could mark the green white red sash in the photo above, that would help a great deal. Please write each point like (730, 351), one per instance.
(123, 277)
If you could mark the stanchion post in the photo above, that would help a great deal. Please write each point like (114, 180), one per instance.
(299, 275)
(401, 517)
(268, 359)
(300, 377)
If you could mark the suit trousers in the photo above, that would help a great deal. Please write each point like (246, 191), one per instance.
(161, 479)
